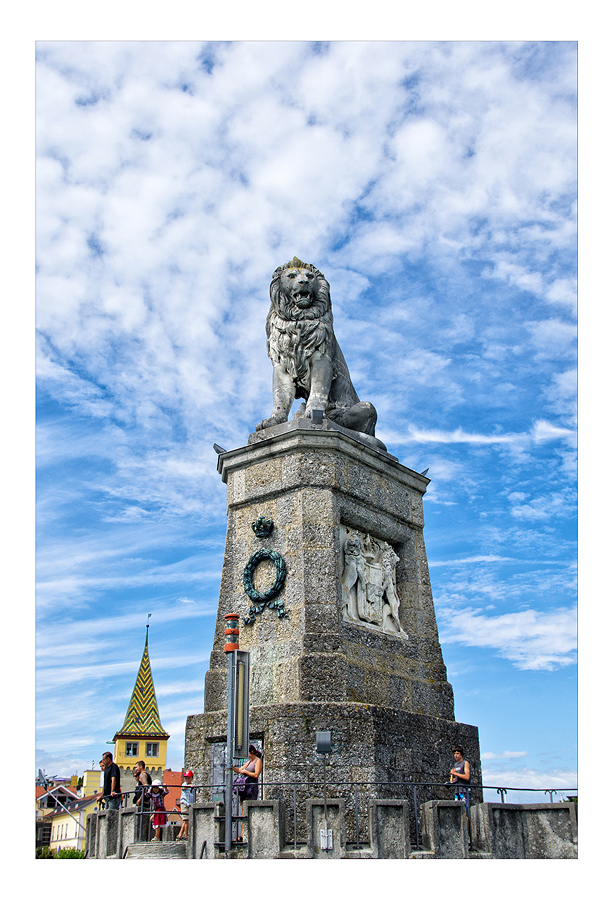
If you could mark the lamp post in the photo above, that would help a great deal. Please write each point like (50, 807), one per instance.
(323, 745)
(231, 633)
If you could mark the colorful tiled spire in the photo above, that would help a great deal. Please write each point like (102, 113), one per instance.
(143, 716)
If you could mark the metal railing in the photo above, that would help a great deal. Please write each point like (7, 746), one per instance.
(356, 794)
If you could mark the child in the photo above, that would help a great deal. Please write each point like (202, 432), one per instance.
(188, 796)
(156, 794)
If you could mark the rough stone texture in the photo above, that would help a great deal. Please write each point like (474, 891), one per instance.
(385, 697)
(445, 829)
(332, 816)
(107, 833)
(90, 836)
(203, 831)
(132, 828)
(390, 830)
(157, 850)
(265, 828)
(525, 831)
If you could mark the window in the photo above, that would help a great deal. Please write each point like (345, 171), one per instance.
(131, 749)
(152, 750)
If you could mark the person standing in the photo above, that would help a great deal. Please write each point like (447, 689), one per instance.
(100, 798)
(460, 776)
(156, 794)
(143, 780)
(246, 785)
(188, 797)
(112, 786)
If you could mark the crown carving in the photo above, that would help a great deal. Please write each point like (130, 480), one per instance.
(262, 527)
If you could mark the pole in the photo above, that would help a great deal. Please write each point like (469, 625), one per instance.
(231, 633)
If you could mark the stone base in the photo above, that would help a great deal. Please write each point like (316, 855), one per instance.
(372, 746)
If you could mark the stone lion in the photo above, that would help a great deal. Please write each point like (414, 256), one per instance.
(307, 360)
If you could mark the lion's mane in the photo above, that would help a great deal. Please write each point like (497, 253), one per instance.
(294, 334)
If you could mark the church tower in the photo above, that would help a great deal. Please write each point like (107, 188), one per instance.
(141, 736)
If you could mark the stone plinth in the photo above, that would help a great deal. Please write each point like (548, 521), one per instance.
(445, 828)
(265, 828)
(390, 829)
(344, 658)
(203, 831)
(326, 817)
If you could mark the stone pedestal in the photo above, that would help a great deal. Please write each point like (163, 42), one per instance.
(357, 651)
(265, 828)
(390, 829)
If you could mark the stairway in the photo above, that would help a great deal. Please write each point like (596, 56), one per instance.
(157, 850)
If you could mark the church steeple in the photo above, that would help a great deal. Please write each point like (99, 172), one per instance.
(142, 736)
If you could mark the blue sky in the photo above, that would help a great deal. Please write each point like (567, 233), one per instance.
(434, 184)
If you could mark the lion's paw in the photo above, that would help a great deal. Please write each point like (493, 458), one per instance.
(268, 423)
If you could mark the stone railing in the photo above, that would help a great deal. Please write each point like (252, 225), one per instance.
(495, 831)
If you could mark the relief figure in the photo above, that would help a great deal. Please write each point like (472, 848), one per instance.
(353, 581)
(369, 583)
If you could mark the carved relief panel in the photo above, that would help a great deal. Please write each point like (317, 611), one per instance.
(369, 581)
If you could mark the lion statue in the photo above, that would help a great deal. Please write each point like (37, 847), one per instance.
(307, 360)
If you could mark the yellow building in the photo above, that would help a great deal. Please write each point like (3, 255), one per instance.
(68, 826)
(92, 782)
(141, 736)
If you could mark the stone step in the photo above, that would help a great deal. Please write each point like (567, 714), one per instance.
(157, 850)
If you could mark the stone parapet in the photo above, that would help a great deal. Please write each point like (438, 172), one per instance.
(499, 831)
(90, 836)
(132, 827)
(525, 831)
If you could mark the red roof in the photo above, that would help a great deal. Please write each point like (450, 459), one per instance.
(173, 781)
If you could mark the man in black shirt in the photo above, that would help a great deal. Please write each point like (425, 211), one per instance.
(112, 789)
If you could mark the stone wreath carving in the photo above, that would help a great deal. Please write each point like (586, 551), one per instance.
(262, 599)
(369, 583)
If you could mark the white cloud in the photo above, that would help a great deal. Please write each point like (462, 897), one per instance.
(529, 639)
(561, 503)
(506, 754)
(533, 779)
(470, 560)
(459, 436)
